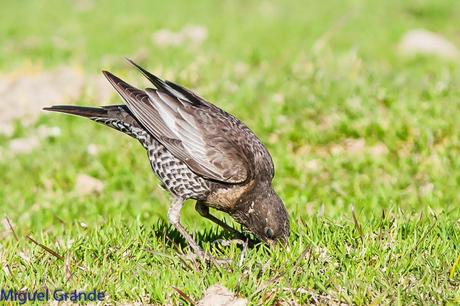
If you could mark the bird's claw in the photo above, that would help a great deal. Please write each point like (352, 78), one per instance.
(225, 242)
(206, 258)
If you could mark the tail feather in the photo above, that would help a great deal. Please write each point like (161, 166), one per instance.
(105, 114)
(83, 111)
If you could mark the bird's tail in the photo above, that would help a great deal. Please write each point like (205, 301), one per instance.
(115, 116)
(83, 111)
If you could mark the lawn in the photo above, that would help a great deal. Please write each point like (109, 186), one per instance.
(365, 141)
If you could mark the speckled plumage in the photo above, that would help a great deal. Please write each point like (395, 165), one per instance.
(174, 174)
(198, 151)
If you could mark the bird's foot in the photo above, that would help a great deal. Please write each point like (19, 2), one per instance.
(201, 255)
(225, 242)
(243, 242)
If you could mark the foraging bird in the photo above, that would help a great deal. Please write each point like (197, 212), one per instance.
(198, 151)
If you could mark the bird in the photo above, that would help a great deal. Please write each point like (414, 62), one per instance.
(198, 151)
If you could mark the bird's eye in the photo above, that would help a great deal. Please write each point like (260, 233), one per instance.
(268, 232)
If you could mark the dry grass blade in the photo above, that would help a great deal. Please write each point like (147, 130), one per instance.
(302, 256)
(336, 26)
(424, 235)
(184, 296)
(60, 220)
(414, 250)
(357, 225)
(266, 284)
(243, 252)
(68, 273)
(11, 228)
(47, 249)
(7, 270)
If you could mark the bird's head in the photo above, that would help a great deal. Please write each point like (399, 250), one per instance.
(263, 213)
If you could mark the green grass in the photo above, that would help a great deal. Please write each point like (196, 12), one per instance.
(351, 124)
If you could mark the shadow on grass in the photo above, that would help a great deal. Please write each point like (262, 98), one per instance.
(172, 238)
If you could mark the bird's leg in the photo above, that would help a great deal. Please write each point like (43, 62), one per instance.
(203, 210)
(174, 218)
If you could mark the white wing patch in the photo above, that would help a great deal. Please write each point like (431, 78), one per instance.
(183, 126)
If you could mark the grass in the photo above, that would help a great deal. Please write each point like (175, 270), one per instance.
(349, 123)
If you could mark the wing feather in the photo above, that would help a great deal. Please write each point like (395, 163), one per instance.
(187, 131)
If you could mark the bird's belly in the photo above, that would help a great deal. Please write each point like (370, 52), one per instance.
(173, 173)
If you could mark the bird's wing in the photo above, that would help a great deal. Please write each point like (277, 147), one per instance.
(175, 90)
(191, 130)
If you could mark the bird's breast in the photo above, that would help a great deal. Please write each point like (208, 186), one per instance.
(225, 197)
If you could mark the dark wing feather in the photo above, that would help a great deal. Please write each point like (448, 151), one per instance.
(138, 101)
(190, 133)
(166, 86)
